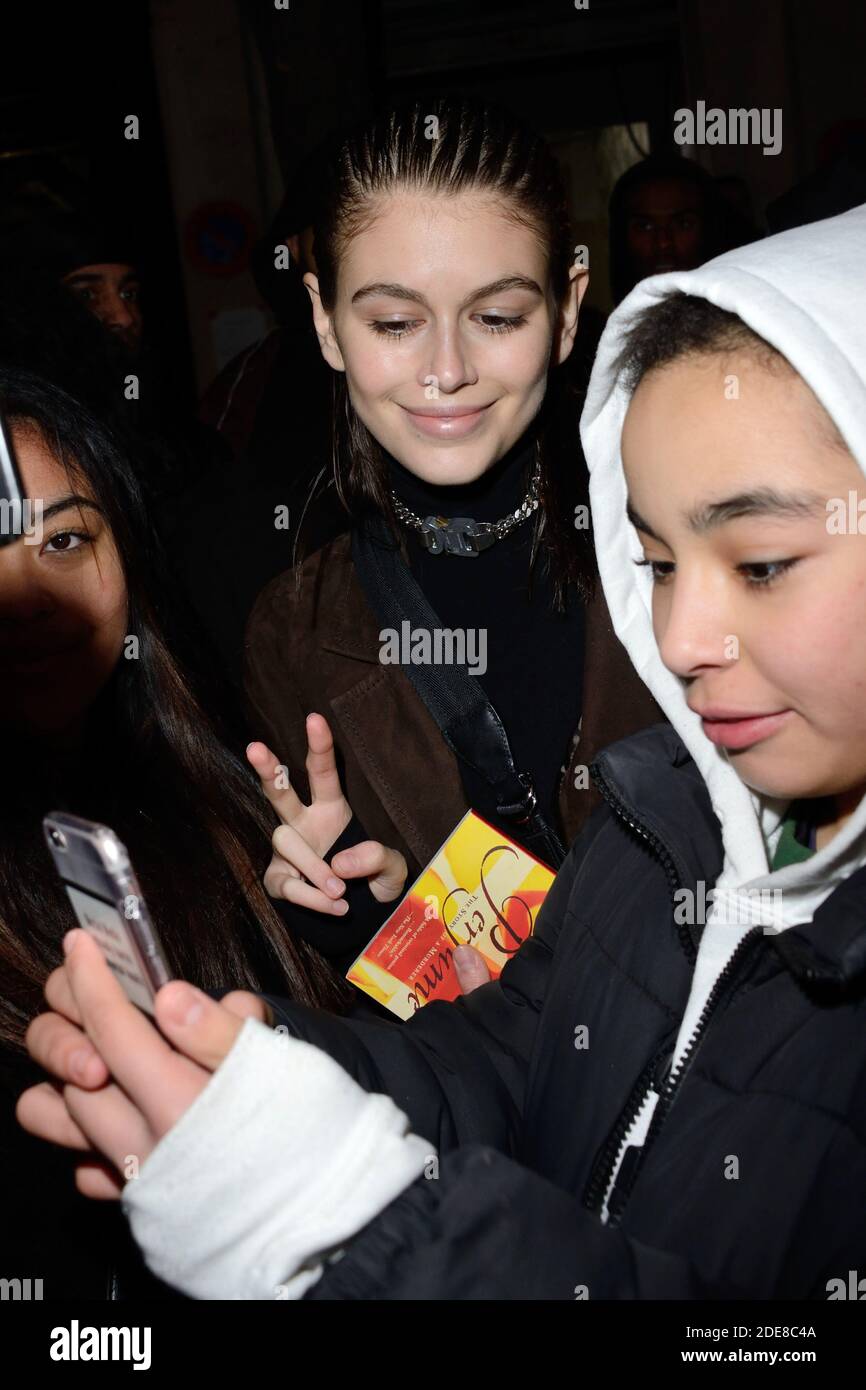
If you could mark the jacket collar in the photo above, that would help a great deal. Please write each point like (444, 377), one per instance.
(659, 790)
(657, 787)
(346, 626)
(828, 956)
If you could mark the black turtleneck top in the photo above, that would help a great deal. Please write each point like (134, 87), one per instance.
(534, 664)
(534, 654)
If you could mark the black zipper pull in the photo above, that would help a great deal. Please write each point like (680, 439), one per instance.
(721, 991)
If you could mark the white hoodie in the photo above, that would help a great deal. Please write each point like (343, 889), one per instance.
(283, 1157)
(796, 291)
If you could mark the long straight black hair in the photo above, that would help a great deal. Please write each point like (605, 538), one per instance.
(448, 146)
(155, 764)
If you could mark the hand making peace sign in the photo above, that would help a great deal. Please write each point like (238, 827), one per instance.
(298, 870)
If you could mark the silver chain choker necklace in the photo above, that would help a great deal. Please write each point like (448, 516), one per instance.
(460, 535)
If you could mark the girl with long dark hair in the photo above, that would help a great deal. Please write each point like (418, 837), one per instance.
(100, 718)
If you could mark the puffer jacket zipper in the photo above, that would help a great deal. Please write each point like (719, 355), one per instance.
(659, 849)
(656, 1074)
(593, 1196)
(721, 992)
(602, 1170)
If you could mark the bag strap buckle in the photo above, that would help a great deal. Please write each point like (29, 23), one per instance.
(522, 811)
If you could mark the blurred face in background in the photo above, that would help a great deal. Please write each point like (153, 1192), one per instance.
(63, 602)
(112, 293)
(665, 227)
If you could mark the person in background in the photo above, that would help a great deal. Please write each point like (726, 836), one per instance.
(665, 214)
(71, 311)
(837, 183)
(272, 407)
(96, 261)
(112, 293)
(103, 717)
(269, 402)
(739, 223)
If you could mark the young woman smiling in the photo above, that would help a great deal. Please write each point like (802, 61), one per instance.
(446, 301)
(100, 719)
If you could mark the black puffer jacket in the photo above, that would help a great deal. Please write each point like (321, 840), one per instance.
(528, 1124)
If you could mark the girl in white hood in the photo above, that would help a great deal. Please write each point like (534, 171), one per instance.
(663, 1094)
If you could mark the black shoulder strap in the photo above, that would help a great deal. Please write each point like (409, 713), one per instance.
(469, 723)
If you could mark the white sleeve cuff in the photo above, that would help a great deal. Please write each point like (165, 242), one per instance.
(279, 1161)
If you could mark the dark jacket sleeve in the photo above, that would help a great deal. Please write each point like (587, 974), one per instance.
(486, 1228)
(275, 711)
(276, 715)
(458, 1070)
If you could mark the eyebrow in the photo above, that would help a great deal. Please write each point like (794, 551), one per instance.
(764, 501)
(394, 291)
(88, 278)
(672, 210)
(63, 504)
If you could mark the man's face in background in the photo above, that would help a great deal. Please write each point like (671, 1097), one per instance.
(665, 227)
(112, 293)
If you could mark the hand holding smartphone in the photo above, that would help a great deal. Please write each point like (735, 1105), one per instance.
(107, 902)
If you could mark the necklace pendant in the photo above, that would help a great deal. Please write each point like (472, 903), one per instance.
(456, 535)
(431, 531)
(461, 535)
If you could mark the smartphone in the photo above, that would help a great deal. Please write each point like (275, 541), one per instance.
(12, 503)
(107, 901)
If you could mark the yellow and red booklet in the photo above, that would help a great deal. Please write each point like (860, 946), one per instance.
(480, 889)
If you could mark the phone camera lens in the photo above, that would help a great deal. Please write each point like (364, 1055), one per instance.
(58, 839)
